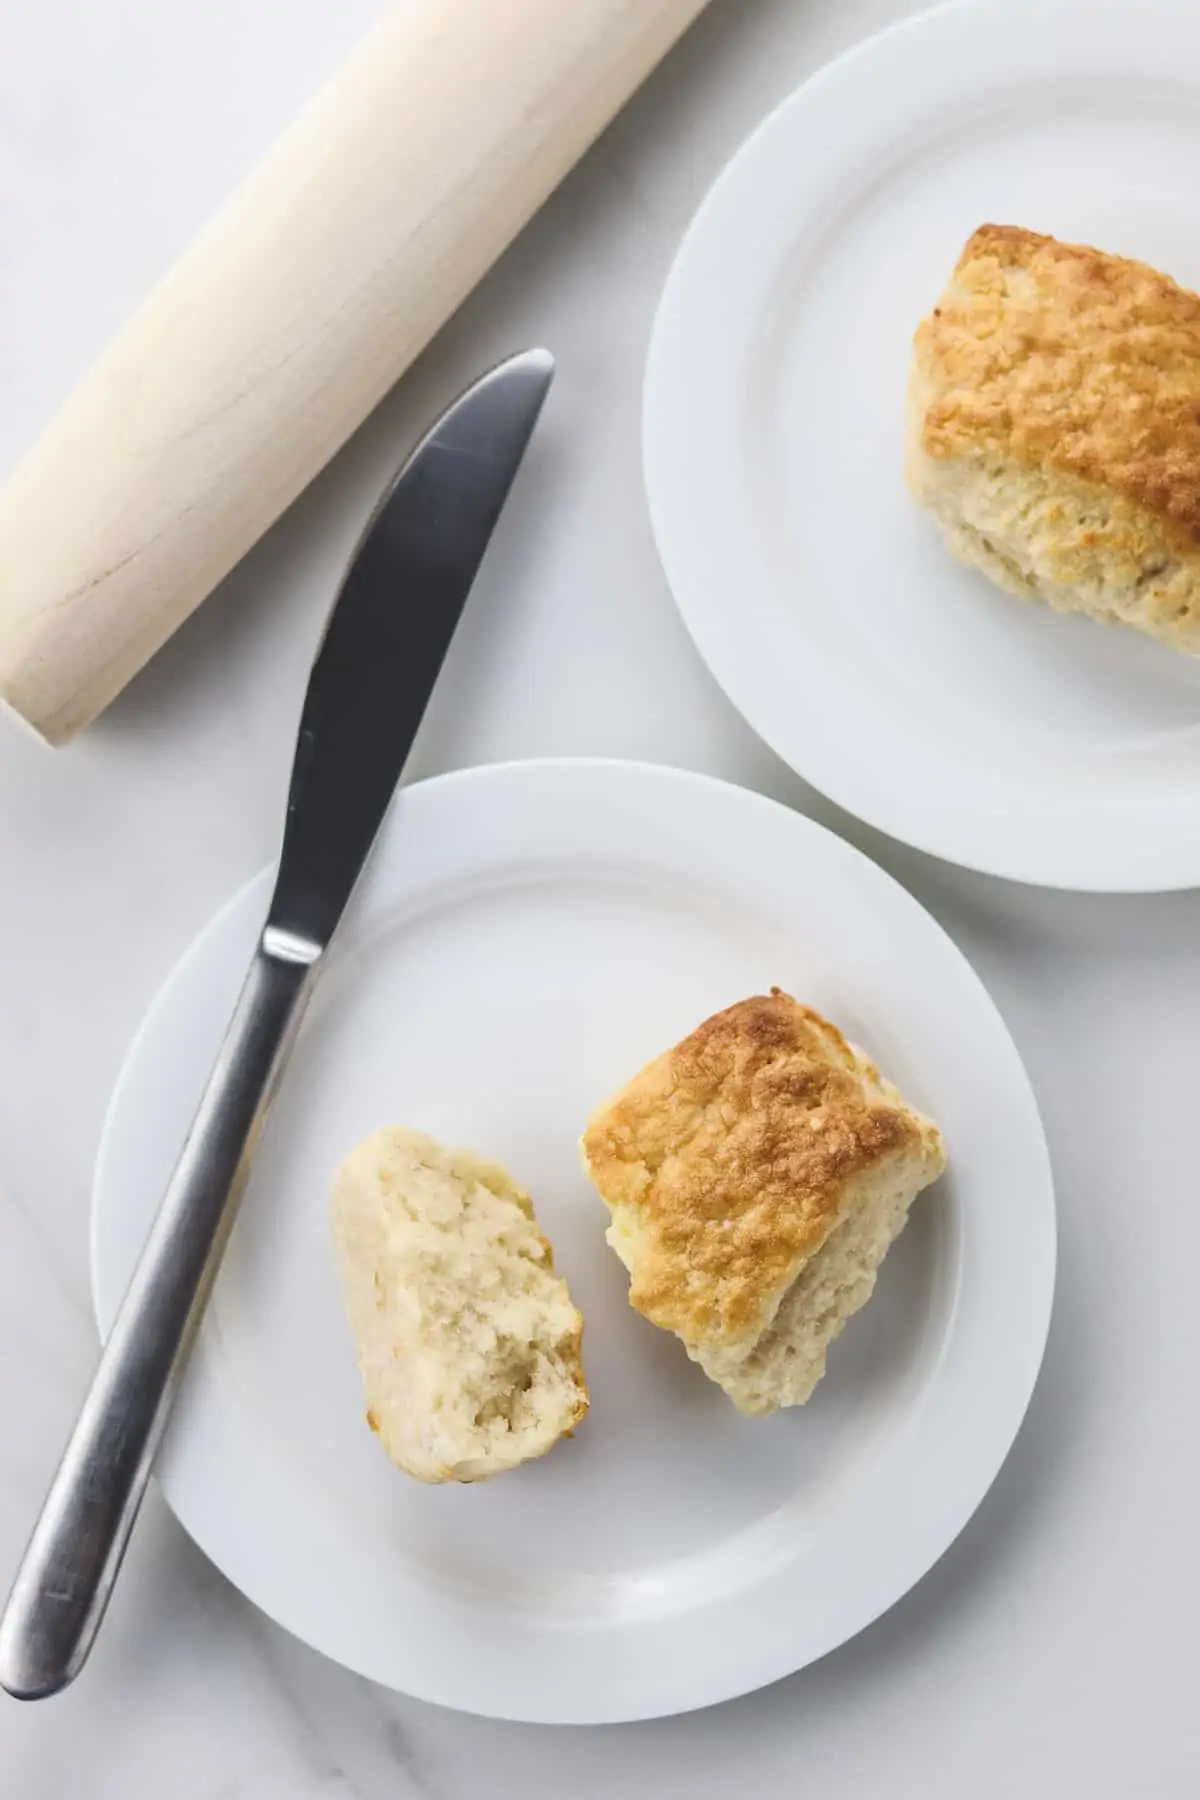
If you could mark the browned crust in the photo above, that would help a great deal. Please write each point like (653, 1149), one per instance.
(732, 1156)
(1069, 359)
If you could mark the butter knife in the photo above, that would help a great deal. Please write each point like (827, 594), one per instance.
(399, 605)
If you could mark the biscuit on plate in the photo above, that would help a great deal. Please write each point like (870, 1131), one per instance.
(757, 1175)
(467, 1340)
(1054, 429)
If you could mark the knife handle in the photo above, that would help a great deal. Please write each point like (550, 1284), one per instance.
(72, 1559)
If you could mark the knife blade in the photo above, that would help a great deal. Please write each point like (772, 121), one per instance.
(391, 626)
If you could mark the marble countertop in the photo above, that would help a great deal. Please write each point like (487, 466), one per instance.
(1051, 1650)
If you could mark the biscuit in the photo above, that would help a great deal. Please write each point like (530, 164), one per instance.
(756, 1175)
(1054, 429)
(467, 1340)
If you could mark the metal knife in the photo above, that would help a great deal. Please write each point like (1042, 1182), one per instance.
(387, 636)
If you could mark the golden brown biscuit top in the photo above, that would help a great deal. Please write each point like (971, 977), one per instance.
(1070, 359)
(733, 1152)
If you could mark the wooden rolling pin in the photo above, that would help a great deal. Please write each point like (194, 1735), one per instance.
(290, 317)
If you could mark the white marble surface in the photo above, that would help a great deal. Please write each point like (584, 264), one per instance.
(1052, 1650)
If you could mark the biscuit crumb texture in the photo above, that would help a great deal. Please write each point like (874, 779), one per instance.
(757, 1175)
(1054, 430)
(468, 1342)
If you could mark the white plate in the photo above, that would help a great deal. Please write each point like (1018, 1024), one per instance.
(527, 937)
(997, 734)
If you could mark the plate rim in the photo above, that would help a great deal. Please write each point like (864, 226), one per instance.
(1153, 856)
(1039, 1300)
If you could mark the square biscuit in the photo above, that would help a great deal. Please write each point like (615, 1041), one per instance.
(1054, 429)
(756, 1175)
